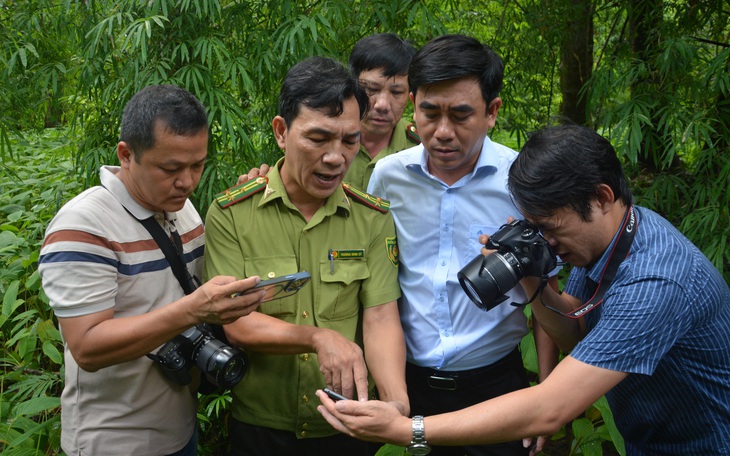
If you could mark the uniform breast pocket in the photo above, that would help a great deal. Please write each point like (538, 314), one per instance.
(338, 293)
(268, 268)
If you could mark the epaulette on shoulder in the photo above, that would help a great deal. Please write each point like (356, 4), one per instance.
(241, 192)
(373, 202)
(412, 133)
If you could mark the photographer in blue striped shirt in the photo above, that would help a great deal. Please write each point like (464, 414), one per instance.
(644, 315)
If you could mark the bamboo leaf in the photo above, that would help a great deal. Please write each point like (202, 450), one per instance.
(36, 405)
(50, 350)
(10, 298)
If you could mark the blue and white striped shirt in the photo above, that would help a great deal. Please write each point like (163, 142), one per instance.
(665, 320)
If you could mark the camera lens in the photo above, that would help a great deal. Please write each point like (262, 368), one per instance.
(486, 279)
(223, 365)
(233, 371)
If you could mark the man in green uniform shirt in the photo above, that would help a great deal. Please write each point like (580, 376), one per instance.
(380, 63)
(344, 324)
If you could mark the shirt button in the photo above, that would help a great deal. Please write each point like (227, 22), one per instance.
(305, 398)
(305, 314)
(303, 433)
(271, 274)
(305, 357)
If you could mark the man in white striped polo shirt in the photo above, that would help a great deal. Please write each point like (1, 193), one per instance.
(115, 295)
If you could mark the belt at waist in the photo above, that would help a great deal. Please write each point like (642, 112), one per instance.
(450, 380)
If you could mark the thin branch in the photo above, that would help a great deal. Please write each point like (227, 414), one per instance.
(704, 40)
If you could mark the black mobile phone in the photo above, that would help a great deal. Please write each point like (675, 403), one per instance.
(282, 286)
(334, 396)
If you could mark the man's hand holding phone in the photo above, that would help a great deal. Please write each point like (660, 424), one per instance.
(282, 286)
(332, 395)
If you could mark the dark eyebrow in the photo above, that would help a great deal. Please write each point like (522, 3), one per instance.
(462, 108)
(175, 162)
(544, 225)
(427, 105)
(328, 133)
(368, 83)
(319, 131)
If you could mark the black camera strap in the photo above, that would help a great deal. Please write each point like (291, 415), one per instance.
(543, 284)
(618, 254)
(172, 248)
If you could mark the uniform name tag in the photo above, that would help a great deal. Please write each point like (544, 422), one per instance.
(348, 254)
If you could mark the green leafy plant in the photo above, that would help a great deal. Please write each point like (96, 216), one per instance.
(31, 357)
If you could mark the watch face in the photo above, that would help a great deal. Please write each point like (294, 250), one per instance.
(417, 449)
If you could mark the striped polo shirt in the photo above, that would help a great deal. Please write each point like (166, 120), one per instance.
(97, 256)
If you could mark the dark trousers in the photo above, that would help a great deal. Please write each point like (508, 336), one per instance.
(432, 392)
(249, 440)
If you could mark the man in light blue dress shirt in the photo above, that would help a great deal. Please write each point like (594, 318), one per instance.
(444, 194)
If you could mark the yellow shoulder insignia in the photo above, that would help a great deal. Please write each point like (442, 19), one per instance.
(412, 133)
(373, 202)
(241, 192)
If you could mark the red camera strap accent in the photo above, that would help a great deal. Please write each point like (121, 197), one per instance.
(618, 254)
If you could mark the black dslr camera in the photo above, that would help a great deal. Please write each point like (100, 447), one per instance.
(520, 251)
(222, 365)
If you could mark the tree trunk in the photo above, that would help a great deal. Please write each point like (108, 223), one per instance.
(576, 60)
(645, 21)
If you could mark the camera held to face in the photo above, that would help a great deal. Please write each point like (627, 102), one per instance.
(222, 365)
(520, 251)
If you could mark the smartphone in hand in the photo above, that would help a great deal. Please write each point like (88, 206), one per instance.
(282, 286)
(334, 396)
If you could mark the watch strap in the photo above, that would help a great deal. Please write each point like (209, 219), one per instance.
(418, 445)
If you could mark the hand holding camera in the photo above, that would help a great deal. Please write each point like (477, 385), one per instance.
(222, 365)
(205, 344)
(520, 252)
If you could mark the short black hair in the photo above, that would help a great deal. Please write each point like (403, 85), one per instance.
(382, 50)
(562, 167)
(179, 111)
(319, 83)
(449, 57)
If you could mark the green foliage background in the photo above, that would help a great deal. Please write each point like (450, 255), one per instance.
(658, 88)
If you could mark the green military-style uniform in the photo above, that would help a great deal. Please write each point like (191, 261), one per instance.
(349, 248)
(361, 168)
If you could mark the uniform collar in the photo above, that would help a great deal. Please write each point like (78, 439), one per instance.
(275, 190)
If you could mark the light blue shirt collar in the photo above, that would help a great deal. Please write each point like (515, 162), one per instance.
(486, 164)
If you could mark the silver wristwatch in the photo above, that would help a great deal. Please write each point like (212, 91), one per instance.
(418, 445)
